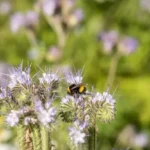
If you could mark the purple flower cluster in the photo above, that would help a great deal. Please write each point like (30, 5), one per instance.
(63, 10)
(111, 40)
(20, 20)
(30, 102)
(81, 109)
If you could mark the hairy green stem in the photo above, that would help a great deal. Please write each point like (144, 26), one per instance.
(56, 25)
(92, 139)
(113, 68)
(36, 137)
(46, 141)
(21, 130)
(31, 37)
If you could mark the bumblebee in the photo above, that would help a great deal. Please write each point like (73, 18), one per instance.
(76, 89)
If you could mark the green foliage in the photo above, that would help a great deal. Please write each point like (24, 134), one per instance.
(83, 49)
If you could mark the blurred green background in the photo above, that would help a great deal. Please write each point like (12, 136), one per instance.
(82, 48)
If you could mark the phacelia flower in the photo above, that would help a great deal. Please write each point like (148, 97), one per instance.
(54, 53)
(140, 140)
(49, 7)
(31, 18)
(105, 105)
(33, 53)
(127, 45)
(77, 136)
(76, 17)
(48, 78)
(17, 22)
(18, 76)
(74, 79)
(109, 40)
(47, 115)
(145, 4)
(3, 93)
(12, 118)
(20, 20)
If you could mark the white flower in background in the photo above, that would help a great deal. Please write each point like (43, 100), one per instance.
(54, 53)
(145, 4)
(140, 140)
(49, 7)
(17, 21)
(48, 78)
(109, 40)
(75, 18)
(33, 53)
(32, 18)
(127, 45)
(5, 7)
(12, 118)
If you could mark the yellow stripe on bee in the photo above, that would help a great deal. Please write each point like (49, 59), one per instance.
(68, 90)
(81, 89)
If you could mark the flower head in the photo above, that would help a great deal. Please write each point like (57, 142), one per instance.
(109, 40)
(75, 18)
(48, 78)
(127, 45)
(13, 118)
(77, 136)
(31, 18)
(105, 106)
(54, 53)
(49, 7)
(145, 4)
(46, 114)
(17, 21)
(74, 78)
(19, 76)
